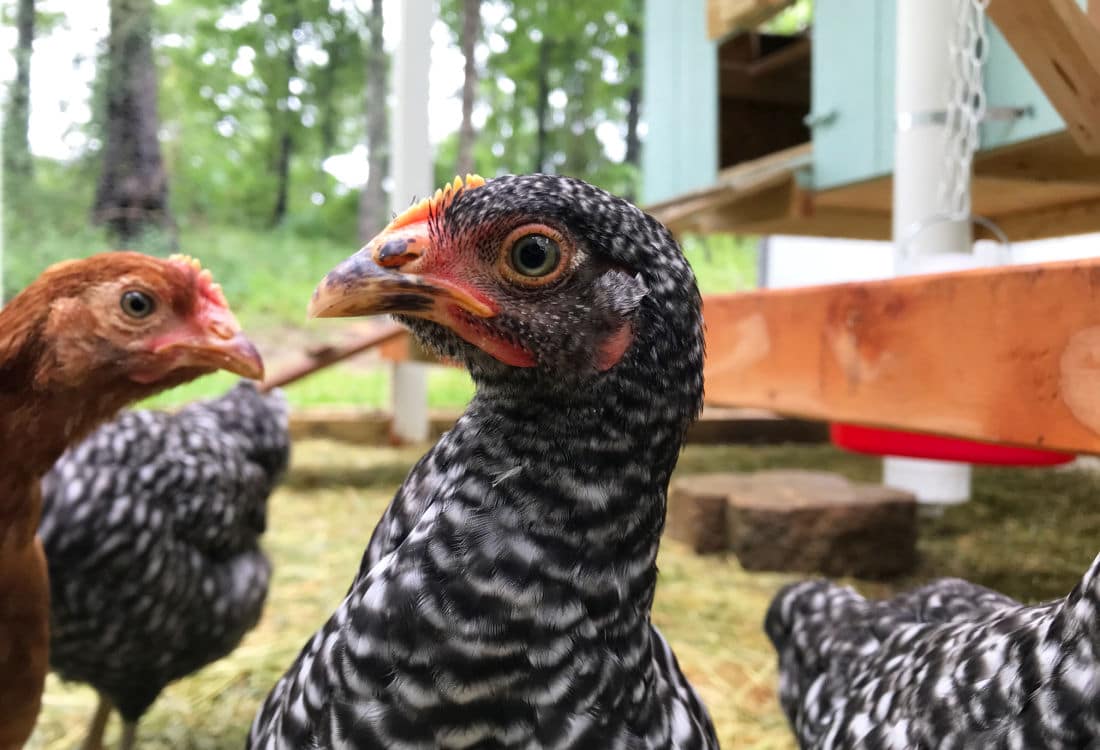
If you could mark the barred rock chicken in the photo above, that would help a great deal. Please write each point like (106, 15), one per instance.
(504, 598)
(950, 665)
(83, 340)
(151, 528)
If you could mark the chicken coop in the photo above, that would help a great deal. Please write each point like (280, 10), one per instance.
(932, 123)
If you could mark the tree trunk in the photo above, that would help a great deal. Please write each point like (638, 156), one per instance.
(326, 99)
(471, 30)
(372, 199)
(284, 139)
(17, 154)
(132, 194)
(634, 96)
(543, 93)
(282, 175)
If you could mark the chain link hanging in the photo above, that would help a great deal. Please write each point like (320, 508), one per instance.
(966, 107)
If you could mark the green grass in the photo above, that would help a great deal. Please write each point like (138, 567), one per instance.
(722, 263)
(339, 385)
(1030, 533)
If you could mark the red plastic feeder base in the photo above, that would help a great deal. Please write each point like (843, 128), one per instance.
(881, 442)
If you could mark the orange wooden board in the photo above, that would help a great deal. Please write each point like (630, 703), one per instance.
(1008, 355)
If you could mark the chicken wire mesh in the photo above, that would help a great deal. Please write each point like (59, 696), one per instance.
(966, 107)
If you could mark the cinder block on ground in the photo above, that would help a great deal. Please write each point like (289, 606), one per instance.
(697, 512)
(801, 521)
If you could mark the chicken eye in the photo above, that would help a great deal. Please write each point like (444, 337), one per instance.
(535, 255)
(137, 304)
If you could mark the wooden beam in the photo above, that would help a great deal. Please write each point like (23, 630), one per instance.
(324, 356)
(1040, 188)
(1061, 49)
(727, 16)
(1050, 157)
(1009, 355)
(1059, 220)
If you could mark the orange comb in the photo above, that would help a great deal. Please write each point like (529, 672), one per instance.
(419, 211)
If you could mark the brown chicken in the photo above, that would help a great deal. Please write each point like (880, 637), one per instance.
(83, 340)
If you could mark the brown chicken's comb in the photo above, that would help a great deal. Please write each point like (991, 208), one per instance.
(211, 289)
(419, 211)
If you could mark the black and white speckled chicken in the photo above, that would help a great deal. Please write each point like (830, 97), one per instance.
(151, 528)
(504, 599)
(949, 665)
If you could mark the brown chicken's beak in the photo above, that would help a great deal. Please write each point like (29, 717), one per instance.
(216, 343)
(388, 276)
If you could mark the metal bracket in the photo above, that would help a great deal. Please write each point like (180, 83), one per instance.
(816, 119)
(909, 120)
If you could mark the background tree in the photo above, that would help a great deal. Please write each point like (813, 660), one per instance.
(132, 193)
(559, 84)
(633, 153)
(18, 167)
(373, 206)
(471, 34)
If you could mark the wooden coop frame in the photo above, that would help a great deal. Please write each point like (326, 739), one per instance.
(1007, 355)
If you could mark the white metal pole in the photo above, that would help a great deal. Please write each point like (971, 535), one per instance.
(923, 75)
(412, 178)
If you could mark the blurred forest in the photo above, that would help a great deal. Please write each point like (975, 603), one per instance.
(248, 99)
(254, 133)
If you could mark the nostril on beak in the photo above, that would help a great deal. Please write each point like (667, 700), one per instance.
(222, 331)
(396, 252)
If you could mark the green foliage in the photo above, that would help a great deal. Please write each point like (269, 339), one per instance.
(578, 55)
(793, 19)
(239, 77)
(722, 263)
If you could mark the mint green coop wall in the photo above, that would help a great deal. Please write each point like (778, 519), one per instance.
(680, 100)
(852, 114)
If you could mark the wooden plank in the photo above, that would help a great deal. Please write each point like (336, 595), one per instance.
(1052, 157)
(1041, 188)
(324, 356)
(1061, 49)
(727, 16)
(737, 183)
(1009, 355)
(836, 223)
(992, 196)
(1058, 220)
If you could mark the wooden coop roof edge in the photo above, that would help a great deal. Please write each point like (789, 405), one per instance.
(1042, 187)
(1059, 43)
(725, 17)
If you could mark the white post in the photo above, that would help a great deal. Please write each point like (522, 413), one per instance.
(923, 75)
(412, 178)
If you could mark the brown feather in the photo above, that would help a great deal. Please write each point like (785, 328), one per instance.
(62, 373)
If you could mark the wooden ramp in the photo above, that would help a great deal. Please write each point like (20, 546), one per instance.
(1008, 355)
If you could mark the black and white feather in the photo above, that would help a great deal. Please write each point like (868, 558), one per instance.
(949, 665)
(504, 598)
(152, 531)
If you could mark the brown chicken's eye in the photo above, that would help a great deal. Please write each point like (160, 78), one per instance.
(137, 304)
(535, 255)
